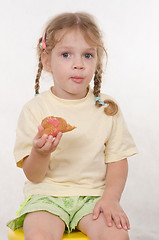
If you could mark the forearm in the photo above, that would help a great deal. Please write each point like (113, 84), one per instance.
(35, 166)
(116, 175)
(109, 205)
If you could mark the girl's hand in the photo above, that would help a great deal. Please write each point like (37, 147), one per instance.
(112, 212)
(45, 144)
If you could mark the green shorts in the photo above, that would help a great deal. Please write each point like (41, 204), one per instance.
(69, 209)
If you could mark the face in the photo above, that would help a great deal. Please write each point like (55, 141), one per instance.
(72, 63)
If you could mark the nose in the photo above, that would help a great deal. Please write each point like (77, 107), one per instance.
(78, 63)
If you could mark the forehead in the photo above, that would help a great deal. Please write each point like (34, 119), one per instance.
(73, 37)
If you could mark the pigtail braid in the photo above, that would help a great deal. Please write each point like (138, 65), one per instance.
(97, 81)
(40, 68)
(112, 107)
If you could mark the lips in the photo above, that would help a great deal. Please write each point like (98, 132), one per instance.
(77, 79)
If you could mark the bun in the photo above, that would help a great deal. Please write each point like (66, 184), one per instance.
(53, 125)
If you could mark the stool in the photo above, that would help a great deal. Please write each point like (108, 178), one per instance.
(19, 235)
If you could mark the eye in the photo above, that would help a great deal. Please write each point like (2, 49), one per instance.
(66, 55)
(88, 55)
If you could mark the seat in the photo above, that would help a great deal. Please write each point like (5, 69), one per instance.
(19, 235)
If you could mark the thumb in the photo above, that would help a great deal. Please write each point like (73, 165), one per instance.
(38, 135)
(40, 129)
(96, 212)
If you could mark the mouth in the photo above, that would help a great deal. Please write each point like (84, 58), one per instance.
(77, 79)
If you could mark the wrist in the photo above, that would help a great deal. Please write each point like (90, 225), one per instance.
(38, 157)
(39, 153)
(112, 195)
(36, 165)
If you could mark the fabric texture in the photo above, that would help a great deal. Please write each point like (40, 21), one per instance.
(69, 209)
(78, 165)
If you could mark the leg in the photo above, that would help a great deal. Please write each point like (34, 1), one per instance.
(98, 230)
(43, 226)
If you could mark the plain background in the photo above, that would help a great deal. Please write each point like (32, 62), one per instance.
(131, 34)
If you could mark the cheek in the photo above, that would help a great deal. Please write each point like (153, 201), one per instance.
(92, 68)
(56, 67)
(59, 72)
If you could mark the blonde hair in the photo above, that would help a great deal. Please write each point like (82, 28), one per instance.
(85, 22)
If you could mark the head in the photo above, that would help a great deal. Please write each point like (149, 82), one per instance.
(58, 28)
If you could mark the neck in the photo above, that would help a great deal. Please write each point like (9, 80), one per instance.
(69, 96)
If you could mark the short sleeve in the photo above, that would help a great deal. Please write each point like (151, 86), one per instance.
(26, 131)
(120, 143)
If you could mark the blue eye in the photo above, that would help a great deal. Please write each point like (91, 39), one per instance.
(88, 55)
(66, 55)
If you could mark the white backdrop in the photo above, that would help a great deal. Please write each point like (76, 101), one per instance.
(131, 32)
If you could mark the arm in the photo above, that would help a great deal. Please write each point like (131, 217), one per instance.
(116, 176)
(36, 164)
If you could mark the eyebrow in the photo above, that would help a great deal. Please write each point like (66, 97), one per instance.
(71, 48)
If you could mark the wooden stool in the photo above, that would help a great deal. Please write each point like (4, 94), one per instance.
(19, 235)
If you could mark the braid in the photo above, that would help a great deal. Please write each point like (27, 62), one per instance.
(112, 107)
(40, 68)
(97, 80)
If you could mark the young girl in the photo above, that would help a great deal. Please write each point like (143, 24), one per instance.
(76, 179)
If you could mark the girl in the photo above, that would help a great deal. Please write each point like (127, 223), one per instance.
(75, 180)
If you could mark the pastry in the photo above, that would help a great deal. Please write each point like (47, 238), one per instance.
(53, 125)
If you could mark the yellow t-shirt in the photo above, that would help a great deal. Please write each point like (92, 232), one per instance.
(77, 167)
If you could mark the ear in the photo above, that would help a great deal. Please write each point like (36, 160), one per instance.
(46, 61)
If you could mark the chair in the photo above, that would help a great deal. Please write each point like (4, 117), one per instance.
(19, 235)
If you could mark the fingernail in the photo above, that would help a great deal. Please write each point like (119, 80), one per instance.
(60, 134)
(109, 224)
(45, 135)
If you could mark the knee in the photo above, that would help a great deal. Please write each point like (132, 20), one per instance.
(123, 235)
(120, 235)
(33, 235)
(41, 235)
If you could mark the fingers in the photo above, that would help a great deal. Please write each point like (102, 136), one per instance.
(117, 221)
(125, 222)
(39, 141)
(38, 135)
(113, 214)
(96, 212)
(57, 139)
(51, 142)
(46, 143)
(120, 220)
(40, 129)
(108, 218)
